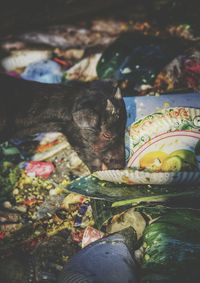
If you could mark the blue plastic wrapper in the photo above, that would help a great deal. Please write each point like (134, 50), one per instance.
(44, 71)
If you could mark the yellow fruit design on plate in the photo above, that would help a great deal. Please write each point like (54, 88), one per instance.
(180, 160)
(172, 164)
(153, 160)
(186, 155)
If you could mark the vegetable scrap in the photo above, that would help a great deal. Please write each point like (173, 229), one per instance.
(171, 247)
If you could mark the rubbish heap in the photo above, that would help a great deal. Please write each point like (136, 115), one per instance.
(52, 208)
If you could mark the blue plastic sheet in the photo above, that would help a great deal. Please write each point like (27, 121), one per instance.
(138, 107)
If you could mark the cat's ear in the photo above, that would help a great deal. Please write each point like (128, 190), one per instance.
(118, 94)
(110, 107)
(85, 118)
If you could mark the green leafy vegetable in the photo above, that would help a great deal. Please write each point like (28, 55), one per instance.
(172, 248)
(126, 195)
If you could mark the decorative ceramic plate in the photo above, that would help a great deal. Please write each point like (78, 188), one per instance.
(133, 177)
(164, 148)
(168, 140)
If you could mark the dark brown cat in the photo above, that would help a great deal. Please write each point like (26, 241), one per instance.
(91, 115)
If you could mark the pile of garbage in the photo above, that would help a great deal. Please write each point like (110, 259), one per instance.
(141, 57)
(60, 223)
